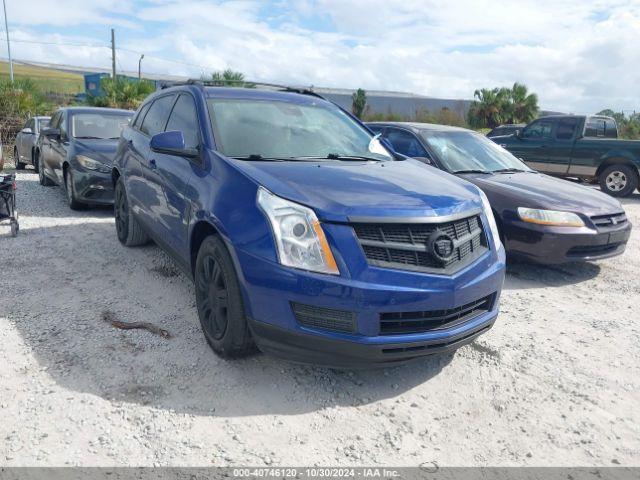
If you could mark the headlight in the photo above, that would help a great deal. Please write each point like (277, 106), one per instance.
(493, 226)
(550, 217)
(91, 164)
(300, 240)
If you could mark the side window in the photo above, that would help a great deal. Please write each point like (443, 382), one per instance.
(539, 129)
(156, 117)
(594, 127)
(55, 120)
(31, 123)
(140, 117)
(375, 128)
(566, 128)
(183, 118)
(405, 143)
(63, 125)
(610, 128)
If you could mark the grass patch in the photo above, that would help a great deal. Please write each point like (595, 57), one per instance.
(48, 79)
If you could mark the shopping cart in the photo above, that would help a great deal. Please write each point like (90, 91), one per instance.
(8, 202)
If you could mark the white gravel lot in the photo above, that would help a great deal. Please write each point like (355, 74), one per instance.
(555, 382)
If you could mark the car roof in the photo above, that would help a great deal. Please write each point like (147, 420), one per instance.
(418, 127)
(96, 110)
(237, 93)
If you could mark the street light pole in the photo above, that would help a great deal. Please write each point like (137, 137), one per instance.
(6, 27)
(140, 66)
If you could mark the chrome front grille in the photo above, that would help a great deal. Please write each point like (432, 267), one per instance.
(409, 246)
(610, 220)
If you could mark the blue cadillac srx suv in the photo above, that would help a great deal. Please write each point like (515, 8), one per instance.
(304, 235)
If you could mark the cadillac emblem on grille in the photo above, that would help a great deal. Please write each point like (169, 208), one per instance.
(440, 245)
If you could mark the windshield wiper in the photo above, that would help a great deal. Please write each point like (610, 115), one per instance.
(337, 156)
(509, 170)
(256, 157)
(472, 171)
(89, 137)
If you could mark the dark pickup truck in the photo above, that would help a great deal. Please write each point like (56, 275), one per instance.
(580, 146)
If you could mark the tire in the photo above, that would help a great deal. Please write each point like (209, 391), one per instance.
(219, 301)
(36, 162)
(15, 228)
(618, 180)
(16, 158)
(70, 190)
(42, 178)
(128, 229)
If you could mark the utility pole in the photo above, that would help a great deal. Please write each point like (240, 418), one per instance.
(140, 66)
(6, 27)
(113, 54)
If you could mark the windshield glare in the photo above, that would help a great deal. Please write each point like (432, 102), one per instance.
(470, 151)
(276, 129)
(95, 125)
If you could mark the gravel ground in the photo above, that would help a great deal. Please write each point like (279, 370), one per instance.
(555, 382)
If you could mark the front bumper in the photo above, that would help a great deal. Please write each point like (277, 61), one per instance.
(93, 187)
(557, 245)
(269, 290)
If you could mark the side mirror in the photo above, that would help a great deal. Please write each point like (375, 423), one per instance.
(518, 133)
(27, 131)
(50, 132)
(172, 143)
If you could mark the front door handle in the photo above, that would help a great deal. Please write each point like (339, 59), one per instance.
(152, 164)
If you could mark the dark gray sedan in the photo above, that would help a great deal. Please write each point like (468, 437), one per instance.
(540, 218)
(76, 152)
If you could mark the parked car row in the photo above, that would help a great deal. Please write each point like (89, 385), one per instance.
(540, 218)
(315, 237)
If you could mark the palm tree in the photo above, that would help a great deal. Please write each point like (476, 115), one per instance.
(524, 105)
(487, 108)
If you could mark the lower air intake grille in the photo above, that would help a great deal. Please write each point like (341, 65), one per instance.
(324, 318)
(398, 323)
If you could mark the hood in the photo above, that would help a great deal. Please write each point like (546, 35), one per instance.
(338, 190)
(103, 150)
(507, 191)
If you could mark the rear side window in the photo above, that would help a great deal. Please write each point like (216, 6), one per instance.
(405, 143)
(610, 129)
(31, 124)
(594, 127)
(566, 128)
(156, 118)
(539, 129)
(183, 118)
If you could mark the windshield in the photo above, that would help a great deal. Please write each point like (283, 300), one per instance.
(276, 129)
(98, 125)
(461, 151)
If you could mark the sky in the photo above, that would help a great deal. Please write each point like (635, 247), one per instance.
(578, 56)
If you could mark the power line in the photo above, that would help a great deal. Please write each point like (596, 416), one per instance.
(128, 50)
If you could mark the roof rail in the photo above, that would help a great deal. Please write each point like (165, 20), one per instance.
(243, 84)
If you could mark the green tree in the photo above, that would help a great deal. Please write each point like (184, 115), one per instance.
(228, 78)
(358, 102)
(122, 93)
(523, 106)
(487, 109)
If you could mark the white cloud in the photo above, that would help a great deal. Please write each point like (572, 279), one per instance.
(577, 56)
